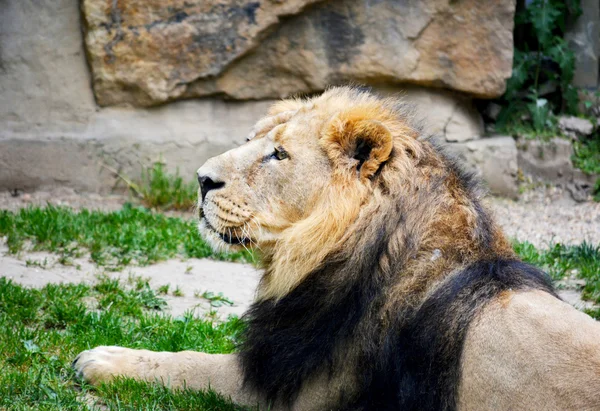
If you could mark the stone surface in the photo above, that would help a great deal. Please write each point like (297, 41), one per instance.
(52, 134)
(546, 161)
(550, 162)
(44, 79)
(442, 113)
(183, 134)
(494, 159)
(575, 126)
(581, 190)
(583, 36)
(149, 52)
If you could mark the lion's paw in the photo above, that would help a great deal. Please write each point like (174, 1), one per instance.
(102, 364)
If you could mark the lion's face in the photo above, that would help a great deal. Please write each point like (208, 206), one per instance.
(251, 194)
(307, 171)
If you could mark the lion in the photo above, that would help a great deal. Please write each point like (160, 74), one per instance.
(387, 284)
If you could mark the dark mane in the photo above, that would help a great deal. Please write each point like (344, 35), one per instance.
(404, 355)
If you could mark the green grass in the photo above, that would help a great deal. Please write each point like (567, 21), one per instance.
(159, 189)
(41, 332)
(560, 262)
(586, 155)
(132, 235)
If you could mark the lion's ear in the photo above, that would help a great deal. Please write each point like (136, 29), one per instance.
(359, 145)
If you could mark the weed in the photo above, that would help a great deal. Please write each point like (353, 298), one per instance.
(161, 190)
(37, 263)
(178, 292)
(216, 300)
(163, 289)
(131, 302)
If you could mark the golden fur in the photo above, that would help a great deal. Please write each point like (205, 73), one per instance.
(297, 241)
(352, 162)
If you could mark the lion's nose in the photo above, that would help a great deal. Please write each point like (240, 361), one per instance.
(208, 183)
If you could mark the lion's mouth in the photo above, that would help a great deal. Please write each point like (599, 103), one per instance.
(229, 238)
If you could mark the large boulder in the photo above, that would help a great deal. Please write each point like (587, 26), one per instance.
(151, 51)
(148, 51)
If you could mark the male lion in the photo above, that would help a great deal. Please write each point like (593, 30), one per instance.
(387, 285)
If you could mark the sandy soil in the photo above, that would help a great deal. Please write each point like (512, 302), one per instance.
(236, 281)
(545, 218)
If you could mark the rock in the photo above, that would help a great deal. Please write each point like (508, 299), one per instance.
(465, 124)
(149, 52)
(44, 78)
(550, 162)
(575, 126)
(493, 159)
(547, 161)
(183, 134)
(445, 114)
(54, 135)
(583, 37)
(581, 191)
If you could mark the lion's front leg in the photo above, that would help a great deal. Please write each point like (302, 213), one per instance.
(189, 369)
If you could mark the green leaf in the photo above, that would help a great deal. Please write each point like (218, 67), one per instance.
(544, 18)
(565, 58)
(522, 67)
(571, 99)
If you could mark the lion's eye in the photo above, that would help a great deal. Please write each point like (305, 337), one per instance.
(280, 154)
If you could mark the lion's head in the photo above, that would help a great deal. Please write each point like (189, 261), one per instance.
(313, 177)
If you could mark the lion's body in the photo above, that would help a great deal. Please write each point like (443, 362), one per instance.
(387, 284)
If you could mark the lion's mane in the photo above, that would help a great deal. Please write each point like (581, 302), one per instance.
(390, 304)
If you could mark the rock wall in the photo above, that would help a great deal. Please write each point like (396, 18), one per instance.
(77, 78)
(145, 52)
(53, 133)
(583, 36)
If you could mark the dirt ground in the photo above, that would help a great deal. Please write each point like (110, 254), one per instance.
(541, 218)
(236, 281)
